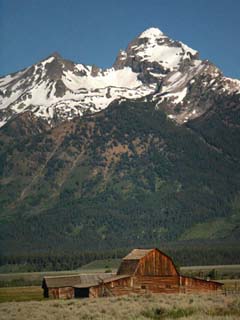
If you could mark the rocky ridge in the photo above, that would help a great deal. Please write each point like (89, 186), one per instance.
(155, 67)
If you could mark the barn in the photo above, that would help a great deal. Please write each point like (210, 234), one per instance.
(141, 271)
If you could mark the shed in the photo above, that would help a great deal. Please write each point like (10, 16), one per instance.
(70, 286)
(59, 286)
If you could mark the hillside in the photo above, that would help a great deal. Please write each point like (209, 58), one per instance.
(127, 176)
(141, 154)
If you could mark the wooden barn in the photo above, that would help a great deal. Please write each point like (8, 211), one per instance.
(141, 271)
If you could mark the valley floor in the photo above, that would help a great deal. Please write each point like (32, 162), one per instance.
(199, 307)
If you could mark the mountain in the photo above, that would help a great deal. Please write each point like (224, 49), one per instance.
(143, 153)
(56, 89)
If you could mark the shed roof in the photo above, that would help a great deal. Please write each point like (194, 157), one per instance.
(61, 281)
(137, 254)
(95, 278)
(115, 278)
(73, 280)
(96, 283)
(85, 285)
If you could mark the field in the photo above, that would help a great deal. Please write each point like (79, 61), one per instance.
(31, 293)
(218, 272)
(26, 302)
(29, 278)
(198, 307)
(34, 278)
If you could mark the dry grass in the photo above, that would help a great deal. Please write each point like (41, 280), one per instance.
(21, 294)
(199, 307)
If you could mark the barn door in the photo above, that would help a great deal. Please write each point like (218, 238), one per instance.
(81, 292)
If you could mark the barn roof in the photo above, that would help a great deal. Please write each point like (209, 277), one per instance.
(127, 267)
(130, 262)
(137, 254)
(74, 280)
(61, 281)
(95, 278)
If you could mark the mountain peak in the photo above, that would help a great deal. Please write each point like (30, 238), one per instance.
(151, 33)
(57, 89)
(153, 54)
(55, 54)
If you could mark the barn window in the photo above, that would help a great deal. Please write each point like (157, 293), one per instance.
(143, 287)
(168, 286)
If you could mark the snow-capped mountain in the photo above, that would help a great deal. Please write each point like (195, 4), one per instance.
(127, 175)
(154, 66)
(57, 89)
(183, 81)
(154, 55)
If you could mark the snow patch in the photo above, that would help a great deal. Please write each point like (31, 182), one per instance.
(115, 78)
(179, 96)
(3, 122)
(168, 56)
(176, 97)
(151, 33)
(188, 49)
(49, 60)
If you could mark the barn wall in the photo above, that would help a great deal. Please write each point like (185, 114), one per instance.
(53, 293)
(112, 288)
(95, 292)
(156, 264)
(188, 285)
(118, 287)
(141, 285)
(155, 284)
(61, 293)
(66, 293)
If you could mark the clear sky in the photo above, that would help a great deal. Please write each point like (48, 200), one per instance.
(93, 31)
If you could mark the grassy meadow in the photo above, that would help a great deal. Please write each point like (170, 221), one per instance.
(198, 307)
(17, 294)
(28, 278)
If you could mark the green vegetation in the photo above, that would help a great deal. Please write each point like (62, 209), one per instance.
(161, 313)
(103, 265)
(127, 177)
(209, 230)
(184, 254)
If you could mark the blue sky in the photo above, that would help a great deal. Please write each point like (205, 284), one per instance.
(93, 31)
